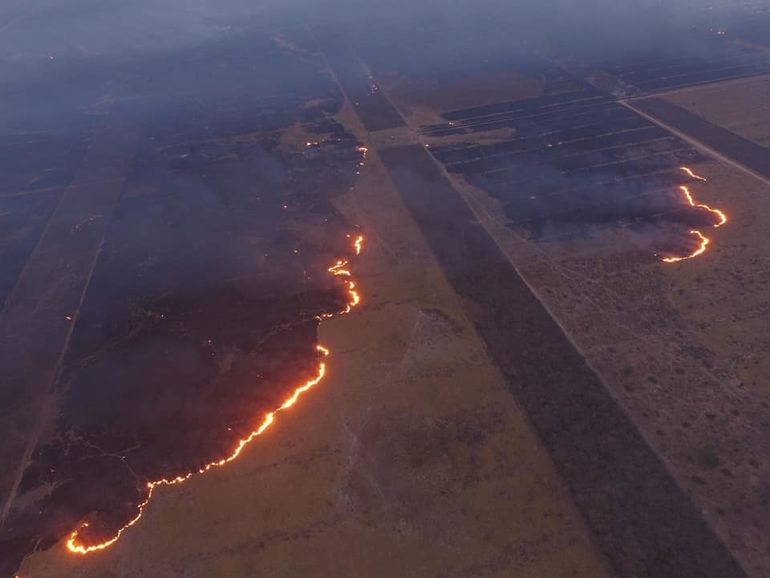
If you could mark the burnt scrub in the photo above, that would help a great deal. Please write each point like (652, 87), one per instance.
(577, 165)
(641, 519)
(201, 314)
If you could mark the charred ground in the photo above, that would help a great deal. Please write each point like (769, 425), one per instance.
(204, 273)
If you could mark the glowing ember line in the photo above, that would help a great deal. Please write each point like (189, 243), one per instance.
(354, 298)
(703, 240)
(689, 172)
(358, 244)
(720, 215)
(704, 243)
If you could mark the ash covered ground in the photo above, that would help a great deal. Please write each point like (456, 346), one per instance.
(167, 235)
(178, 178)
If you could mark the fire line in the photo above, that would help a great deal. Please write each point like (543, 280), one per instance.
(703, 240)
(339, 269)
(703, 245)
(690, 173)
(720, 215)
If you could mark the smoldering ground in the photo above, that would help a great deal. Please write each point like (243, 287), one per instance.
(207, 279)
(201, 312)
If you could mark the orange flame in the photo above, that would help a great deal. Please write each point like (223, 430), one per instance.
(703, 240)
(338, 269)
(690, 173)
(704, 243)
(720, 215)
(358, 244)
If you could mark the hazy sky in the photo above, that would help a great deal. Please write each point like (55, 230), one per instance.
(97, 26)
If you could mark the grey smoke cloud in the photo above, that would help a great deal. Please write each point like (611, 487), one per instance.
(89, 27)
(78, 45)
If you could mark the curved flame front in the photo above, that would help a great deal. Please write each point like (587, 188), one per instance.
(702, 246)
(721, 217)
(339, 269)
(703, 240)
(689, 172)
